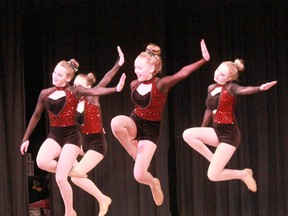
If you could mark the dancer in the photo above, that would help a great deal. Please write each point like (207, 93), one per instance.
(63, 139)
(139, 133)
(225, 134)
(94, 144)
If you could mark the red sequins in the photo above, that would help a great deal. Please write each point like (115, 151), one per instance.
(66, 117)
(225, 110)
(154, 110)
(92, 119)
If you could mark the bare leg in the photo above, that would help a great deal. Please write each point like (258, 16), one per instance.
(197, 137)
(87, 163)
(67, 157)
(48, 152)
(217, 171)
(146, 150)
(124, 129)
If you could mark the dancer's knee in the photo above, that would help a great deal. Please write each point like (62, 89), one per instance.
(212, 175)
(41, 163)
(139, 177)
(61, 179)
(75, 180)
(139, 174)
(190, 138)
(116, 125)
(185, 135)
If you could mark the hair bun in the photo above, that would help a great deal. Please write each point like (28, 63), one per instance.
(153, 49)
(74, 64)
(239, 64)
(91, 77)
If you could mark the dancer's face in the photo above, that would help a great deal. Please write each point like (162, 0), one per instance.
(222, 74)
(143, 69)
(60, 76)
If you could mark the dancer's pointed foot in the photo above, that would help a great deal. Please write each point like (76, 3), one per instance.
(249, 180)
(77, 174)
(157, 192)
(104, 206)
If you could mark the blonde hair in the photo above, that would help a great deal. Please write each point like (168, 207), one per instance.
(89, 78)
(71, 66)
(235, 67)
(153, 56)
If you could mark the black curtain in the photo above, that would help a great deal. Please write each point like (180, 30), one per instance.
(13, 187)
(89, 31)
(257, 33)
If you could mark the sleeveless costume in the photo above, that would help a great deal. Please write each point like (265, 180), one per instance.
(224, 120)
(148, 111)
(61, 113)
(91, 127)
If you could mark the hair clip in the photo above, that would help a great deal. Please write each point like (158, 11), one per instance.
(72, 66)
(150, 52)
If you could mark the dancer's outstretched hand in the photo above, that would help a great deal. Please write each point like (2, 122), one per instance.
(267, 85)
(121, 55)
(24, 147)
(121, 83)
(204, 50)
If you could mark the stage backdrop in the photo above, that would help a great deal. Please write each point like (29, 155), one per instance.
(36, 35)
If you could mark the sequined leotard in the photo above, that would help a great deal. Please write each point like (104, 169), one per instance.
(61, 104)
(148, 111)
(61, 112)
(224, 119)
(90, 122)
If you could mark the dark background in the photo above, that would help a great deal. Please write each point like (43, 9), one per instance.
(35, 35)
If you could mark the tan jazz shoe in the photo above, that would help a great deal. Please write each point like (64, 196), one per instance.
(157, 192)
(104, 206)
(249, 180)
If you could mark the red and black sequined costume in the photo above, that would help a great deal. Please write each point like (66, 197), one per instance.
(148, 111)
(92, 118)
(91, 127)
(61, 112)
(224, 119)
(62, 109)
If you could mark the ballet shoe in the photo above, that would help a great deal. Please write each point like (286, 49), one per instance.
(249, 180)
(157, 192)
(77, 174)
(104, 206)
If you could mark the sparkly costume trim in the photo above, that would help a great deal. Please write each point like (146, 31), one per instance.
(66, 117)
(92, 119)
(154, 110)
(225, 110)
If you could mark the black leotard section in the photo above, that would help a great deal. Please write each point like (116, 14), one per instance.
(79, 118)
(141, 100)
(55, 106)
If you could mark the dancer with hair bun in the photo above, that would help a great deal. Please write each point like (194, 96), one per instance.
(94, 146)
(139, 133)
(62, 146)
(225, 134)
